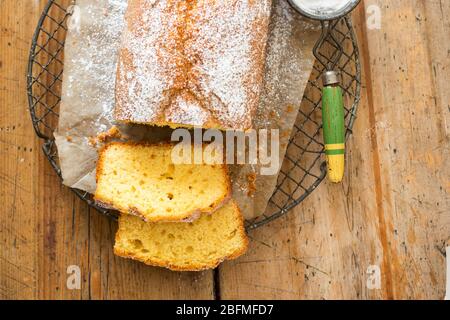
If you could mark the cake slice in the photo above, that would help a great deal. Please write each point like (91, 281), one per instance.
(195, 246)
(142, 180)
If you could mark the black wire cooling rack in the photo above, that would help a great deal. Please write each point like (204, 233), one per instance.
(304, 165)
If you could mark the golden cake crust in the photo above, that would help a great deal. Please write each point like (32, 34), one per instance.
(195, 63)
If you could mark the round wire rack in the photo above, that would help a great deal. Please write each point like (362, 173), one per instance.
(304, 166)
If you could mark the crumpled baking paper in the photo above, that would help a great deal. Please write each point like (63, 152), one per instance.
(91, 52)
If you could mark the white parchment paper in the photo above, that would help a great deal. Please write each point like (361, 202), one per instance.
(87, 105)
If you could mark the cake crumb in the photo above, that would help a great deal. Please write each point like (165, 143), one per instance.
(113, 133)
(273, 114)
(285, 134)
(251, 179)
(92, 141)
(102, 137)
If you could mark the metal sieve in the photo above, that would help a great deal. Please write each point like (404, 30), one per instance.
(333, 112)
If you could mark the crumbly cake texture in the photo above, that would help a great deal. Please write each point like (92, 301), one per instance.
(193, 63)
(141, 180)
(195, 246)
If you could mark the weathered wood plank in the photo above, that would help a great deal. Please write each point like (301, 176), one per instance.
(18, 259)
(393, 209)
(44, 228)
(412, 148)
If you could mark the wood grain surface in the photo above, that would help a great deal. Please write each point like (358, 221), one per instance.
(392, 212)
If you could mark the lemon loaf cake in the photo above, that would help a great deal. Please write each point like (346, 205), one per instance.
(142, 180)
(192, 63)
(199, 245)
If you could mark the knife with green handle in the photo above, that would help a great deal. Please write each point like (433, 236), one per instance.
(333, 126)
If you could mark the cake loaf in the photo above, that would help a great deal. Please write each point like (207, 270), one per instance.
(141, 180)
(195, 246)
(193, 63)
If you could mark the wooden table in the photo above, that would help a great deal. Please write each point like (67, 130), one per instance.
(391, 214)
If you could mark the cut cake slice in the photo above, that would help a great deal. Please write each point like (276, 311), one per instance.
(199, 245)
(142, 180)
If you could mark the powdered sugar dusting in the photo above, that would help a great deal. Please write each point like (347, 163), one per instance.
(187, 111)
(87, 76)
(211, 51)
(145, 69)
(287, 65)
(230, 45)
